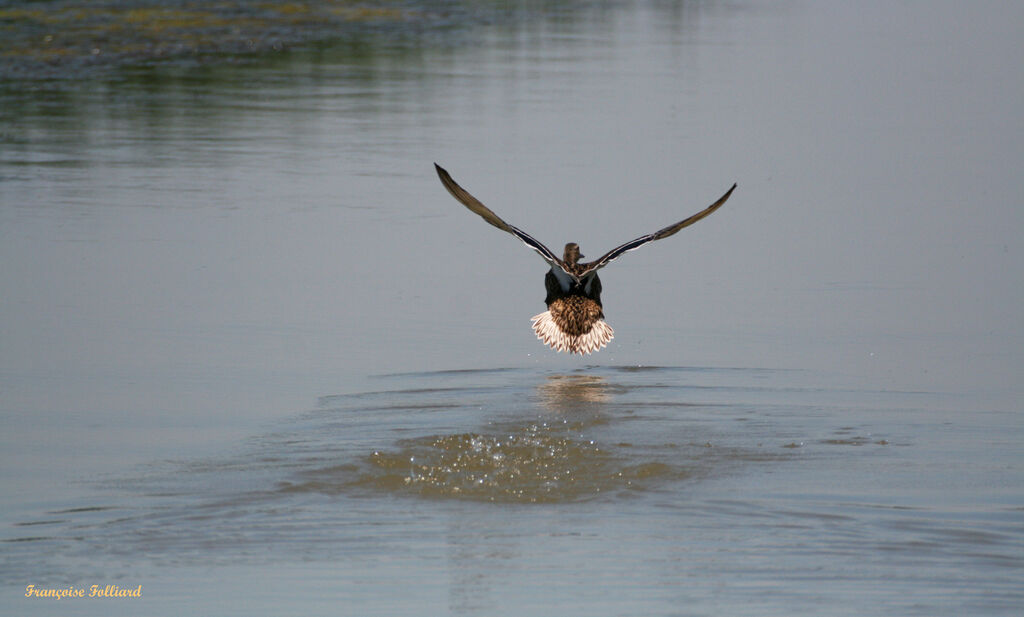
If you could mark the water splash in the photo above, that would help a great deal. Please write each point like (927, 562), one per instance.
(534, 465)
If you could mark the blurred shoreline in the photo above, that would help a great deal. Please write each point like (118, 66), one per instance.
(65, 40)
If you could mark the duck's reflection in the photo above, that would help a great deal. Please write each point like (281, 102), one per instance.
(573, 392)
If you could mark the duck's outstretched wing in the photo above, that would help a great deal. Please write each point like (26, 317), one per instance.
(463, 196)
(658, 235)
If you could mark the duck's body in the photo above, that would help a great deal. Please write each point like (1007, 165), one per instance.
(574, 321)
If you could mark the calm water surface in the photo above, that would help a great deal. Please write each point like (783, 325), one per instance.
(256, 360)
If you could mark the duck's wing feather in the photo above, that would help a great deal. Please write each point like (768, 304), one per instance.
(474, 204)
(658, 235)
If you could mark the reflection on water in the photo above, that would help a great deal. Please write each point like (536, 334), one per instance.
(577, 437)
(549, 460)
(549, 457)
(472, 477)
(571, 393)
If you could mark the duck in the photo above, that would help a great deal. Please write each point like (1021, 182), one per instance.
(574, 322)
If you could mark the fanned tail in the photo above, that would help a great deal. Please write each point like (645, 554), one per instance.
(552, 335)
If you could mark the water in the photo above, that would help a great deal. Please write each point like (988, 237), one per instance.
(721, 490)
(256, 360)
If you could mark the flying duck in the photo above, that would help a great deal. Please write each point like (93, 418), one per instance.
(574, 321)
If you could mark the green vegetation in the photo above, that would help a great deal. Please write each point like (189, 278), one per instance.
(68, 38)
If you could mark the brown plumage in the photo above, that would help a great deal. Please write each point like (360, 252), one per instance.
(575, 315)
(574, 321)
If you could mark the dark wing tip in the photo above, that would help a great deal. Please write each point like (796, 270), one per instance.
(465, 198)
(723, 198)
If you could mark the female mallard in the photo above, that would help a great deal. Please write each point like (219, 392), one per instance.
(574, 321)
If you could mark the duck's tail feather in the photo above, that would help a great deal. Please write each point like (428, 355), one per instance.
(552, 335)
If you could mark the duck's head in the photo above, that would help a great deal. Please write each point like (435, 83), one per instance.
(572, 254)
